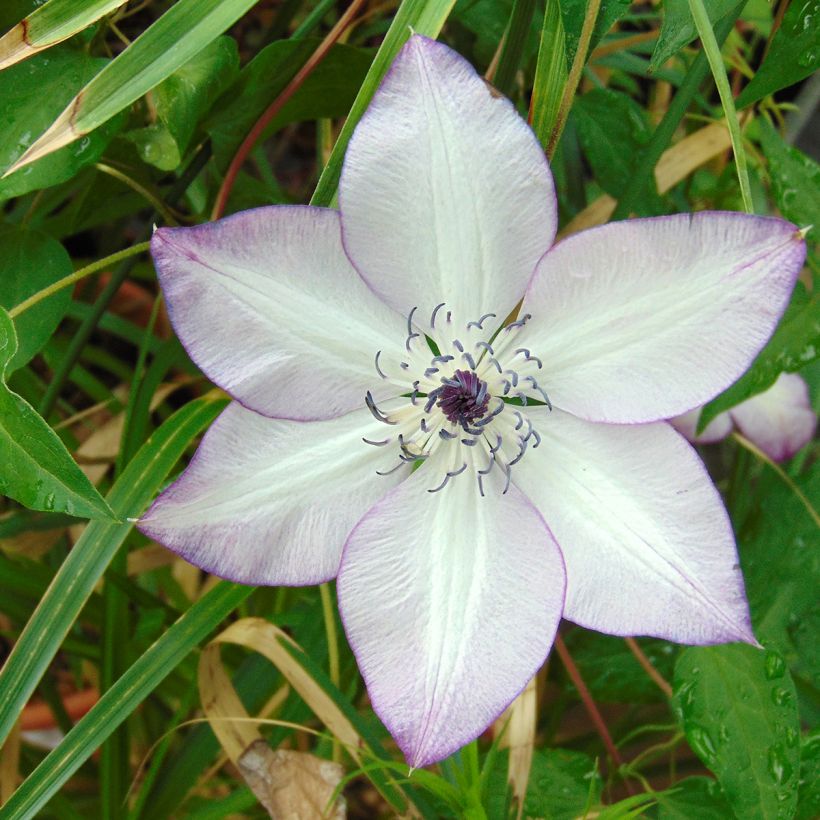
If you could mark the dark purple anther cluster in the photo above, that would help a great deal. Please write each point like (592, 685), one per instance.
(464, 398)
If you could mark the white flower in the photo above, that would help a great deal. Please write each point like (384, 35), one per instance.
(374, 339)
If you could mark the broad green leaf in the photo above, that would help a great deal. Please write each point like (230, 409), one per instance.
(795, 179)
(738, 707)
(33, 94)
(612, 672)
(550, 74)
(419, 16)
(613, 130)
(50, 24)
(574, 12)
(29, 261)
(808, 796)
(793, 55)
(678, 27)
(329, 91)
(795, 344)
(181, 101)
(123, 697)
(181, 33)
(695, 797)
(780, 561)
(92, 553)
(35, 467)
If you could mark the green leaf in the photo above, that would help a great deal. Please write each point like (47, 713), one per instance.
(33, 94)
(85, 564)
(563, 784)
(182, 100)
(698, 797)
(50, 24)
(613, 130)
(29, 261)
(795, 344)
(808, 796)
(678, 27)
(420, 16)
(738, 707)
(181, 33)
(795, 179)
(778, 558)
(574, 12)
(329, 91)
(122, 699)
(550, 74)
(37, 470)
(793, 55)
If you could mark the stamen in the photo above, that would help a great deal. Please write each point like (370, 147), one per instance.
(430, 372)
(442, 359)
(469, 359)
(436, 309)
(480, 321)
(393, 470)
(378, 369)
(520, 323)
(377, 414)
(529, 357)
(507, 485)
(376, 443)
(485, 346)
(458, 346)
(450, 474)
(447, 435)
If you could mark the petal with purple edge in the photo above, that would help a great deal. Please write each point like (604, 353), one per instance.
(271, 501)
(717, 429)
(269, 306)
(781, 420)
(643, 320)
(445, 192)
(450, 602)
(648, 545)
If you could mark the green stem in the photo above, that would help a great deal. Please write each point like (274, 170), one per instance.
(712, 50)
(514, 42)
(574, 75)
(662, 135)
(76, 277)
(332, 649)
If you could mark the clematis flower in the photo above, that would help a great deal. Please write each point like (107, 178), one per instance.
(780, 421)
(467, 477)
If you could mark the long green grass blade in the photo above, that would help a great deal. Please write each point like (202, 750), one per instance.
(712, 51)
(122, 698)
(181, 33)
(76, 578)
(550, 74)
(514, 44)
(50, 24)
(419, 16)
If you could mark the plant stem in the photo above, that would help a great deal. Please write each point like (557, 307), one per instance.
(650, 670)
(574, 75)
(712, 51)
(76, 277)
(662, 135)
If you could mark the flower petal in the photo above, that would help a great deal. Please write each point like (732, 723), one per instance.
(647, 542)
(450, 602)
(645, 319)
(781, 420)
(717, 429)
(270, 308)
(445, 192)
(271, 501)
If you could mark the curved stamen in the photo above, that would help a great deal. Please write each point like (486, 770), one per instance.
(393, 470)
(436, 309)
(378, 369)
(529, 357)
(450, 474)
(377, 414)
(480, 321)
(376, 443)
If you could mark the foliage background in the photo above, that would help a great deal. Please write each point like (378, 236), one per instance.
(102, 696)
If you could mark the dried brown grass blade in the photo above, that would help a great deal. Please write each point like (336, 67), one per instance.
(516, 727)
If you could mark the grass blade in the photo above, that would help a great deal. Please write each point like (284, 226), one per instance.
(75, 580)
(419, 16)
(180, 34)
(550, 74)
(120, 700)
(50, 24)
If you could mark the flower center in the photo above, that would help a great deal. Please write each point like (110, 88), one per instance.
(464, 398)
(462, 394)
